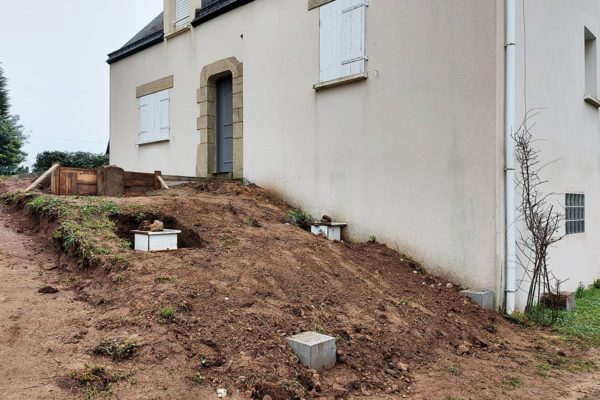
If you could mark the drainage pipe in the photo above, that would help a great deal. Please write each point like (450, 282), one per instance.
(510, 282)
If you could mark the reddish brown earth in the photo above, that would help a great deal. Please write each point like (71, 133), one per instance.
(240, 290)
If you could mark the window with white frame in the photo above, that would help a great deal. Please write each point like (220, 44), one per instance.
(182, 13)
(342, 39)
(574, 213)
(154, 117)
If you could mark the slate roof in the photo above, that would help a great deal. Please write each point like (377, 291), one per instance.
(153, 33)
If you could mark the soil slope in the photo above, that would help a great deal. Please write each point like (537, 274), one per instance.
(238, 290)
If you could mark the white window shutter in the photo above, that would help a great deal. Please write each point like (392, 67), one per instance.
(154, 117)
(163, 127)
(342, 39)
(353, 38)
(330, 41)
(182, 13)
(146, 119)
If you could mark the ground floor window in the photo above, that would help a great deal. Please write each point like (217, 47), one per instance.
(154, 117)
(574, 213)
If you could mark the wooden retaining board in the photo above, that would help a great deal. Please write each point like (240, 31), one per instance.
(67, 181)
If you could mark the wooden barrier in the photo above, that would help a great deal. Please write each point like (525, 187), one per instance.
(106, 181)
(73, 181)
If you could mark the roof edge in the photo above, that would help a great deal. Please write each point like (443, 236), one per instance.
(135, 47)
(215, 9)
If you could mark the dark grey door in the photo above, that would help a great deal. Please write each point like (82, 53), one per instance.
(224, 125)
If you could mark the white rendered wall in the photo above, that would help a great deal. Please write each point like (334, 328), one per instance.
(410, 155)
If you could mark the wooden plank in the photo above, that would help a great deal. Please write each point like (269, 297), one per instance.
(41, 178)
(86, 177)
(86, 189)
(70, 184)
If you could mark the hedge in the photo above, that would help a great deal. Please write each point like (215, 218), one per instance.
(78, 159)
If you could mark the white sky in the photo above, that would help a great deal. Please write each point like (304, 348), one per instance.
(53, 53)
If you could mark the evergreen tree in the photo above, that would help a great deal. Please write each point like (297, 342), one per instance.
(4, 104)
(12, 137)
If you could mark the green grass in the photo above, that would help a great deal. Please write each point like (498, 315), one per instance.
(512, 382)
(86, 224)
(166, 314)
(116, 348)
(583, 322)
(250, 221)
(97, 380)
(300, 218)
(165, 278)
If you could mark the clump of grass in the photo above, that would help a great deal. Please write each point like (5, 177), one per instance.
(98, 379)
(165, 278)
(121, 259)
(11, 197)
(116, 348)
(512, 382)
(300, 218)
(596, 284)
(119, 277)
(166, 314)
(373, 239)
(250, 221)
(198, 378)
(452, 370)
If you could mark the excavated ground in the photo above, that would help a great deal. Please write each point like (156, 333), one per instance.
(239, 290)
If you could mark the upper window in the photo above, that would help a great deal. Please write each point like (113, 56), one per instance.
(591, 69)
(182, 13)
(342, 39)
(574, 213)
(154, 117)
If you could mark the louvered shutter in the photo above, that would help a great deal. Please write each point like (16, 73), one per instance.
(182, 13)
(342, 39)
(163, 126)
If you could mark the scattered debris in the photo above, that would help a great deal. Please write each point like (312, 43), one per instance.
(48, 290)
(221, 393)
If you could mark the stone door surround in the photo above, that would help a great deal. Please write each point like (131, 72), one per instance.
(206, 162)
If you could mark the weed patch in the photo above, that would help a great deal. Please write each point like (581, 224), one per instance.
(166, 314)
(300, 218)
(116, 348)
(165, 278)
(97, 380)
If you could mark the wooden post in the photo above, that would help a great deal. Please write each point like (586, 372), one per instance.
(162, 182)
(41, 178)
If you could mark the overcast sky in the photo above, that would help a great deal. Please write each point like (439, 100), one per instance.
(54, 56)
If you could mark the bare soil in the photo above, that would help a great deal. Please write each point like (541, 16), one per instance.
(239, 291)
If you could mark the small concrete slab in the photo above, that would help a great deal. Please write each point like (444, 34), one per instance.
(314, 350)
(484, 298)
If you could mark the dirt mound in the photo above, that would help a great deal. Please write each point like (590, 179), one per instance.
(216, 313)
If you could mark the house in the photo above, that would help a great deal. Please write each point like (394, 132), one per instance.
(394, 116)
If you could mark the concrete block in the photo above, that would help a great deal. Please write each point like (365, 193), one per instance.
(314, 350)
(484, 298)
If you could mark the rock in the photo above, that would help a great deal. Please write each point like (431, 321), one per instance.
(49, 267)
(221, 393)
(561, 353)
(48, 290)
(144, 225)
(463, 349)
(157, 226)
(326, 219)
(402, 367)
(339, 389)
(267, 397)
(449, 285)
